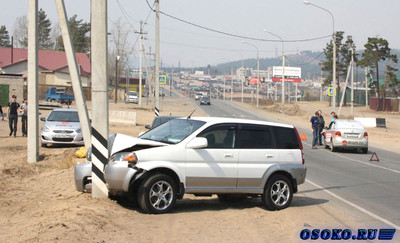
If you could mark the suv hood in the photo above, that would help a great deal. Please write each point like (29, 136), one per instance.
(124, 142)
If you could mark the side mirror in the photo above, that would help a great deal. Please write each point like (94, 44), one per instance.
(43, 119)
(197, 143)
(147, 126)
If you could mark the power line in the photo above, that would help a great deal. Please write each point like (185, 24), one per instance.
(234, 35)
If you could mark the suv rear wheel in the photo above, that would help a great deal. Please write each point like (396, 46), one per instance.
(278, 193)
(157, 194)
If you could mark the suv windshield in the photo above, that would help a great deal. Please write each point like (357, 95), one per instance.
(63, 116)
(173, 131)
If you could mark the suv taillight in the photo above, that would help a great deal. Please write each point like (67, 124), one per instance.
(301, 146)
(338, 134)
(365, 135)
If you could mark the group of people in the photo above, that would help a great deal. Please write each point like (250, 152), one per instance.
(13, 109)
(317, 125)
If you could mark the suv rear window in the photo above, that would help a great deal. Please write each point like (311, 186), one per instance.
(287, 138)
(255, 137)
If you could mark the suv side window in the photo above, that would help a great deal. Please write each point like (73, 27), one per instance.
(287, 138)
(255, 137)
(220, 136)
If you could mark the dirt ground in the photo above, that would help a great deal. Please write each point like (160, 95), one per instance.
(39, 203)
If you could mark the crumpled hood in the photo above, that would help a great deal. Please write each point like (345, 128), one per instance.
(122, 142)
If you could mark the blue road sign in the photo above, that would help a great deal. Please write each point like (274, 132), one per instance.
(331, 91)
(162, 79)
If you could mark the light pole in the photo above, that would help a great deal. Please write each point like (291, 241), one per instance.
(258, 69)
(334, 52)
(283, 68)
(116, 79)
(241, 80)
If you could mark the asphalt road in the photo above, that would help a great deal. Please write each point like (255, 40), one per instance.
(367, 191)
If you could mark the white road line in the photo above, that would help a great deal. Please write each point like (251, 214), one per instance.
(359, 161)
(356, 206)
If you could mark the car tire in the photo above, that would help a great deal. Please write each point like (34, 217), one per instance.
(278, 193)
(157, 194)
(365, 150)
(231, 198)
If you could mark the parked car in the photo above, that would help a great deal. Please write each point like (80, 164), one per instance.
(58, 95)
(61, 127)
(197, 96)
(346, 134)
(159, 120)
(131, 97)
(205, 101)
(205, 156)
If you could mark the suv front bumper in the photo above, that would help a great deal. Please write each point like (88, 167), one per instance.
(118, 176)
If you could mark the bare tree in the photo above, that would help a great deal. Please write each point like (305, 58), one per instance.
(20, 32)
(121, 43)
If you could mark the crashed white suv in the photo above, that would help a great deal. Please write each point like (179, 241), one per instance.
(232, 158)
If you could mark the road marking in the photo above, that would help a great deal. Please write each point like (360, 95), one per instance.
(356, 206)
(359, 161)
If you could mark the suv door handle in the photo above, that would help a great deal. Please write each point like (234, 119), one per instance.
(269, 155)
(228, 155)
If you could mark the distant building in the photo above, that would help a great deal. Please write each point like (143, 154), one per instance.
(53, 66)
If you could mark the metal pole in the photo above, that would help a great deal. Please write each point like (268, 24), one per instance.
(157, 64)
(127, 81)
(140, 63)
(99, 96)
(33, 81)
(283, 81)
(116, 80)
(74, 73)
(352, 82)
(366, 87)
(224, 87)
(232, 84)
(258, 76)
(147, 76)
(296, 93)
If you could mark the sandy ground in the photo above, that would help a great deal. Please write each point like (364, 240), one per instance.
(39, 203)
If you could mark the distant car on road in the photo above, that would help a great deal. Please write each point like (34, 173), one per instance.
(198, 96)
(58, 95)
(159, 120)
(205, 101)
(62, 127)
(346, 134)
(131, 97)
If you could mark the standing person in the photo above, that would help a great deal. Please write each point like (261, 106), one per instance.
(314, 128)
(12, 115)
(333, 114)
(24, 117)
(1, 111)
(321, 125)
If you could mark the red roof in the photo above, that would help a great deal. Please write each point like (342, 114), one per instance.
(50, 60)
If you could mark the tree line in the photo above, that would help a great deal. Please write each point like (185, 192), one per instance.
(375, 55)
(49, 35)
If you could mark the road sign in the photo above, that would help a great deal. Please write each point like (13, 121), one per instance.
(162, 79)
(331, 91)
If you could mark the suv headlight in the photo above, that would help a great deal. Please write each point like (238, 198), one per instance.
(130, 157)
(45, 128)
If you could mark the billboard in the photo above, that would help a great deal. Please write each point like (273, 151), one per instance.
(292, 74)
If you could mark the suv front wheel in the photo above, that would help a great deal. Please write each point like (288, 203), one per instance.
(157, 194)
(278, 193)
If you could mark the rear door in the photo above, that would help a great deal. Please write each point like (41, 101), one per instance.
(257, 152)
(213, 169)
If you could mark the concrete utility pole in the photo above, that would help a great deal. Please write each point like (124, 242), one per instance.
(152, 80)
(232, 84)
(366, 87)
(74, 73)
(140, 61)
(99, 96)
(116, 80)
(352, 82)
(33, 81)
(148, 85)
(157, 64)
(334, 52)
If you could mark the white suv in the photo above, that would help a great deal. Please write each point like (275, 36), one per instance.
(232, 158)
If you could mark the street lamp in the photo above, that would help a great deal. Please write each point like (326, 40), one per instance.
(116, 78)
(242, 81)
(258, 69)
(334, 51)
(283, 68)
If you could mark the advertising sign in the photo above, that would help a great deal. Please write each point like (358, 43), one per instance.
(292, 74)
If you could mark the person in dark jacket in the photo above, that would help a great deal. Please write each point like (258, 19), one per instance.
(12, 115)
(314, 128)
(321, 125)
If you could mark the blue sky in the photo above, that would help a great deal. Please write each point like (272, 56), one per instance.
(290, 19)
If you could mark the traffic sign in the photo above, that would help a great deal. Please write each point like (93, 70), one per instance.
(162, 79)
(331, 91)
